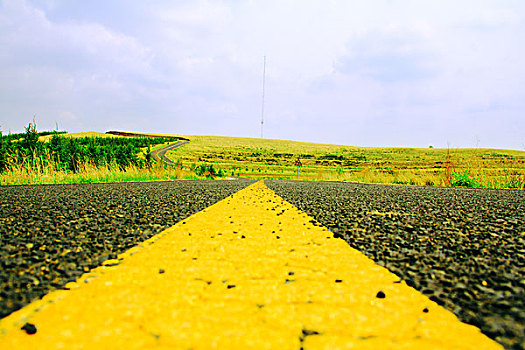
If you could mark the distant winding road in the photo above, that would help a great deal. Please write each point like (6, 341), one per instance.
(160, 154)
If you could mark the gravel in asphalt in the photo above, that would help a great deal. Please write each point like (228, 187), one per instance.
(52, 234)
(229, 283)
(463, 248)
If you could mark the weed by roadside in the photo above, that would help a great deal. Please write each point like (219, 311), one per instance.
(207, 170)
(465, 180)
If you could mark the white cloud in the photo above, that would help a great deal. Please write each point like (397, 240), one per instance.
(390, 56)
(372, 73)
(66, 68)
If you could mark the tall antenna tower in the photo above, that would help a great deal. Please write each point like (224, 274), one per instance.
(262, 105)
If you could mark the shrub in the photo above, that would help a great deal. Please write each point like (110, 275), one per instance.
(464, 180)
(399, 182)
(208, 170)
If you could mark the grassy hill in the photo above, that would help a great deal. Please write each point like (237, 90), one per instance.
(277, 159)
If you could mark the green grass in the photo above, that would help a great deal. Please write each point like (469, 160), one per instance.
(275, 159)
(42, 158)
(88, 173)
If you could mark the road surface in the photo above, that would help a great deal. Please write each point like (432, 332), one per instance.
(459, 248)
(160, 154)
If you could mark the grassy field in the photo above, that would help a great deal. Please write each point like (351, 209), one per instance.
(78, 135)
(276, 159)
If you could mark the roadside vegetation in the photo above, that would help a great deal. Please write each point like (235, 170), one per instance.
(58, 157)
(277, 159)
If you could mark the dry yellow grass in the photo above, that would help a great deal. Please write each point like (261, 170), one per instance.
(78, 134)
(269, 158)
(275, 159)
(88, 173)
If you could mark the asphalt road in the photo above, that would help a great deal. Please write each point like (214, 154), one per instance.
(463, 248)
(51, 234)
(160, 154)
(249, 272)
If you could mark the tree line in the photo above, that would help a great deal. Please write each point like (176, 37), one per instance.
(70, 154)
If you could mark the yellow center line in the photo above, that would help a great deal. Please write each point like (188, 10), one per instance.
(251, 271)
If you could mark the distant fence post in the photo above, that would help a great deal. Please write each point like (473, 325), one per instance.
(298, 164)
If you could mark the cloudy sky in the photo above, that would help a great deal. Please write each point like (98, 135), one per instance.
(369, 73)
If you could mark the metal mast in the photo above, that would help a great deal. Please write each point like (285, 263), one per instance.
(262, 107)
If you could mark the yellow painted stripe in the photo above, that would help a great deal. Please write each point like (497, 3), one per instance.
(248, 272)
